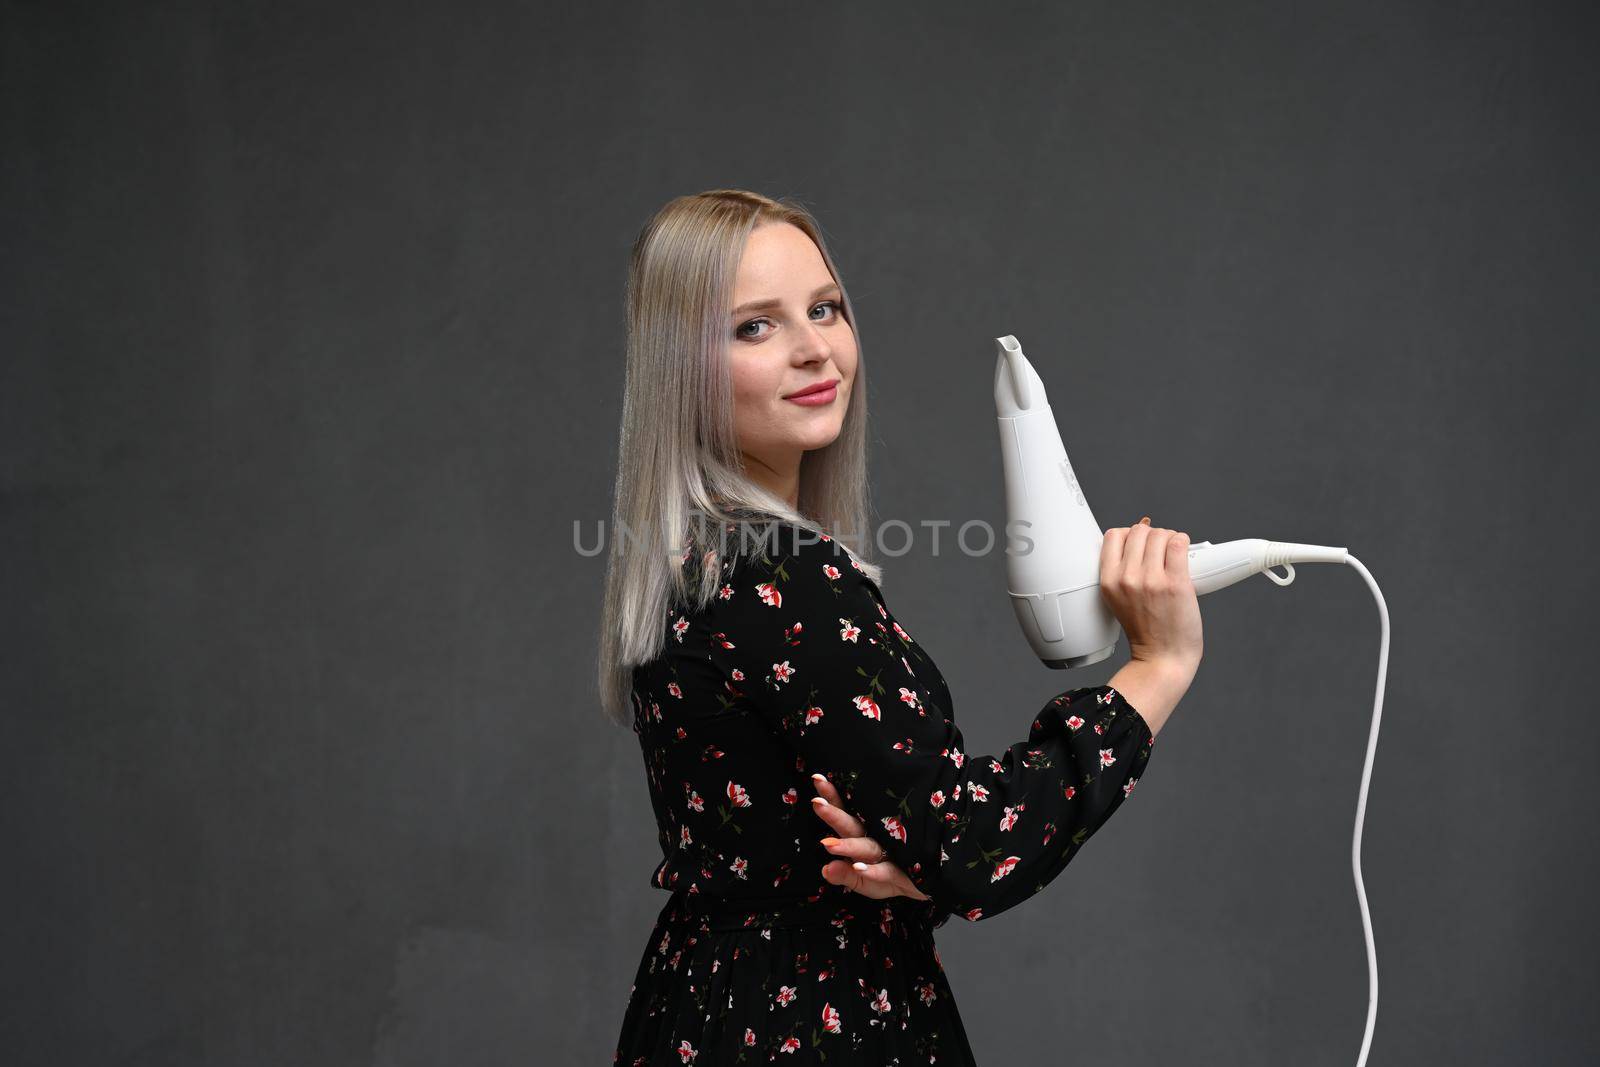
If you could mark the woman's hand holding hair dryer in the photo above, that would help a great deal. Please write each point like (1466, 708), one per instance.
(1144, 580)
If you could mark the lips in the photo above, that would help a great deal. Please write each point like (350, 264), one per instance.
(820, 387)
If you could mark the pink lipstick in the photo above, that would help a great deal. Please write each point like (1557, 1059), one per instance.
(816, 395)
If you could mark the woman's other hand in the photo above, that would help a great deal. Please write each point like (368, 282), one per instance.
(862, 866)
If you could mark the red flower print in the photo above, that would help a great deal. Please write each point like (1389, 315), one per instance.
(722, 639)
(995, 765)
(869, 707)
(684, 840)
(830, 1020)
(880, 1003)
(1106, 758)
(1074, 722)
(768, 592)
(813, 714)
(738, 675)
(687, 1051)
(849, 631)
(736, 793)
(831, 572)
(1099, 727)
(791, 636)
(1127, 787)
(927, 993)
(782, 671)
(1070, 791)
(740, 866)
(896, 830)
(785, 994)
(1004, 867)
(725, 592)
(882, 612)
(791, 795)
(1009, 819)
(909, 696)
(789, 1044)
(695, 801)
(903, 635)
(749, 1037)
(973, 915)
(675, 690)
(936, 798)
(980, 794)
(680, 628)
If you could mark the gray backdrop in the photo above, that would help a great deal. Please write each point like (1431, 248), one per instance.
(310, 360)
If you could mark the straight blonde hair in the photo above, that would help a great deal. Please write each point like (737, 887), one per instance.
(681, 486)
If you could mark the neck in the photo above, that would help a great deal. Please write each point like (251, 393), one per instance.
(782, 480)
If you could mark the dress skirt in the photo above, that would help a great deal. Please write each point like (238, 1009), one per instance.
(839, 979)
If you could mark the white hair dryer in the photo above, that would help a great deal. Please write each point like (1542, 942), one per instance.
(1054, 581)
(1054, 577)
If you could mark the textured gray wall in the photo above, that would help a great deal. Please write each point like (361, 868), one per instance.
(310, 357)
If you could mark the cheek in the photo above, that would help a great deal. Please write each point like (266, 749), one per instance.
(754, 385)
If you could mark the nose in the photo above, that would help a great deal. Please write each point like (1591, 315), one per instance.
(812, 346)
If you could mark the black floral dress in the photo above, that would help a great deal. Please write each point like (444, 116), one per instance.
(797, 666)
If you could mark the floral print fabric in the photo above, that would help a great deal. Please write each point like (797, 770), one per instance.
(797, 666)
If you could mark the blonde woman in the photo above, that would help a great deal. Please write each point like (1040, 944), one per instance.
(751, 650)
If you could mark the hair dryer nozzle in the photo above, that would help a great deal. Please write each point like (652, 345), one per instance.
(1017, 388)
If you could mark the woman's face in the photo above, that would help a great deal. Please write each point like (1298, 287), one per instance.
(797, 338)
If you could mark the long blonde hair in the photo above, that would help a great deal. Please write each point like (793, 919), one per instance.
(680, 481)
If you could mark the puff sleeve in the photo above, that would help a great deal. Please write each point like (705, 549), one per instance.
(804, 639)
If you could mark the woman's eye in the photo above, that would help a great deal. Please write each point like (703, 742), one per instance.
(740, 330)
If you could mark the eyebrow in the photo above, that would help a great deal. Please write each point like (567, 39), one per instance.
(763, 305)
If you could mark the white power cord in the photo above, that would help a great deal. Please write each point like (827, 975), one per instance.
(1361, 810)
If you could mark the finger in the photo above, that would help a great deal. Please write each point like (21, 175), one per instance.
(841, 873)
(855, 848)
(896, 879)
(883, 876)
(839, 821)
(1133, 551)
(1111, 549)
(826, 790)
(1178, 558)
(1155, 557)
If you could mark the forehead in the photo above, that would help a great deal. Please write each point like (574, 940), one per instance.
(778, 257)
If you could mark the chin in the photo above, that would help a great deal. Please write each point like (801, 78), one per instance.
(813, 441)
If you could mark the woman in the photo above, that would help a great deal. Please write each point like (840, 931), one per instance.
(753, 653)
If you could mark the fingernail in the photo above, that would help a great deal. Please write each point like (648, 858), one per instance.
(820, 800)
(1145, 520)
(858, 865)
(829, 842)
(819, 777)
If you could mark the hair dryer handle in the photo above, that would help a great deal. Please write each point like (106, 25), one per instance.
(1214, 567)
